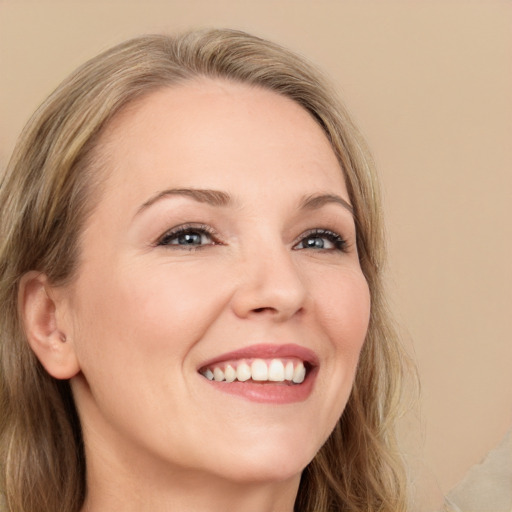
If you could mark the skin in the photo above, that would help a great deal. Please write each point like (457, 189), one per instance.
(140, 318)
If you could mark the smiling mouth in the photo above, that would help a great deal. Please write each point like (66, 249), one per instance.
(264, 373)
(276, 370)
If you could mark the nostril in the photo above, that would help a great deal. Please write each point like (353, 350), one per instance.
(261, 310)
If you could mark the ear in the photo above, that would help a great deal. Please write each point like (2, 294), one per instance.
(40, 314)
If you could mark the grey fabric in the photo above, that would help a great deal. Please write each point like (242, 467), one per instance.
(488, 486)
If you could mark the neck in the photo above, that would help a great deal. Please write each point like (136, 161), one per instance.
(109, 491)
(137, 483)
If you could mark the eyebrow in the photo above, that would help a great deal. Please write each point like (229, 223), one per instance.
(218, 198)
(316, 201)
(212, 197)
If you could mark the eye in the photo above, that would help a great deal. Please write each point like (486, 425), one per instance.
(322, 239)
(189, 237)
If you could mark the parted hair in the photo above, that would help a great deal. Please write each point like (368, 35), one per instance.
(49, 189)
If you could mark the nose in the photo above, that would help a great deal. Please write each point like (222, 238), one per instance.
(269, 283)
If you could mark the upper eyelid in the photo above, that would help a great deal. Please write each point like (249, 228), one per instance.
(344, 243)
(320, 232)
(177, 230)
(212, 233)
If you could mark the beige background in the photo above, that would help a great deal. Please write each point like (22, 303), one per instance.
(430, 85)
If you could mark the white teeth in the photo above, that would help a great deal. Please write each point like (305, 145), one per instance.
(218, 374)
(288, 371)
(259, 370)
(243, 372)
(299, 373)
(276, 370)
(229, 373)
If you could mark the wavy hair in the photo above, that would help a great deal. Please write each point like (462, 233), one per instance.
(47, 193)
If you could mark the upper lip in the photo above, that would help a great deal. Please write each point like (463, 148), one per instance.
(266, 351)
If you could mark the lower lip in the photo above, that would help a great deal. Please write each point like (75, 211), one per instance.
(268, 392)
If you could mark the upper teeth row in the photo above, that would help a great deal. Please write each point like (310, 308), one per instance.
(259, 370)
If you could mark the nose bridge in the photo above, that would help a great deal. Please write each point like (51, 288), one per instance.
(270, 281)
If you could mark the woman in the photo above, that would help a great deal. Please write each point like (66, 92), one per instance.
(192, 311)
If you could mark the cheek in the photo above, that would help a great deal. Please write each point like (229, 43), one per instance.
(129, 312)
(344, 307)
(343, 310)
(134, 333)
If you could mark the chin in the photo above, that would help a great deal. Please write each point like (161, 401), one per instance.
(266, 471)
(265, 461)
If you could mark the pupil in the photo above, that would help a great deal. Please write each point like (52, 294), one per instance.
(190, 239)
(315, 243)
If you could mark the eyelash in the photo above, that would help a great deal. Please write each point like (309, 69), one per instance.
(186, 229)
(339, 243)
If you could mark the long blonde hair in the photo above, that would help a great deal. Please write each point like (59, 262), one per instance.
(46, 195)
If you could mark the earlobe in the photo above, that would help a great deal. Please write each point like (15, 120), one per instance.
(39, 312)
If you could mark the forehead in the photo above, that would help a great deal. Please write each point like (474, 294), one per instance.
(216, 130)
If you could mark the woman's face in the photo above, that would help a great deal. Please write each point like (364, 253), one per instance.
(223, 247)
